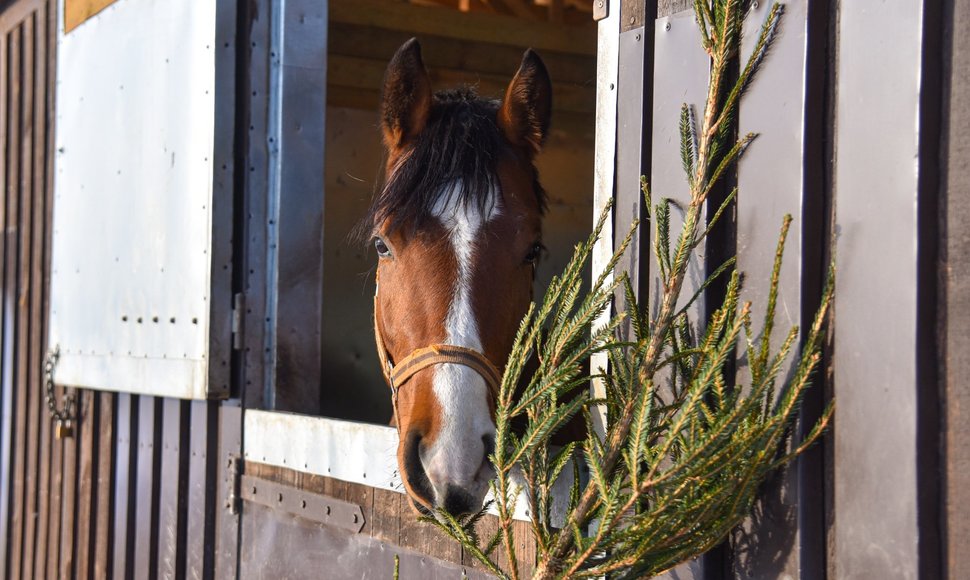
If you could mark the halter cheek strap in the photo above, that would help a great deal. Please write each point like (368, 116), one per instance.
(398, 374)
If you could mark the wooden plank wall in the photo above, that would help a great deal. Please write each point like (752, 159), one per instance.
(388, 517)
(132, 493)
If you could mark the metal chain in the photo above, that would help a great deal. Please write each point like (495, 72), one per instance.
(65, 415)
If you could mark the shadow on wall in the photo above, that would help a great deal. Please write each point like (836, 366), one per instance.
(352, 385)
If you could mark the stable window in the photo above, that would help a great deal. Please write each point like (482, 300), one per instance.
(314, 157)
(321, 159)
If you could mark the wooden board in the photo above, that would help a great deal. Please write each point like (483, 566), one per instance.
(388, 517)
(497, 29)
(76, 12)
(106, 435)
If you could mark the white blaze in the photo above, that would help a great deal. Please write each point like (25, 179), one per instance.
(457, 455)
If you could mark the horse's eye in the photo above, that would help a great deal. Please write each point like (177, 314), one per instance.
(382, 249)
(535, 251)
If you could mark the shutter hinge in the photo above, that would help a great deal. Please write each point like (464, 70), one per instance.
(601, 9)
(233, 479)
(238, 304)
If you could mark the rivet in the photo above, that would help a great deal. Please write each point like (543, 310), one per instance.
(638, 38)
(667, 26)
(599, 4)
(754, 5)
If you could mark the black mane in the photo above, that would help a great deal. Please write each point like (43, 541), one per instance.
(461, 142)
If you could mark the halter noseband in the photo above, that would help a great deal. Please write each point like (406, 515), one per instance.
(398, 374)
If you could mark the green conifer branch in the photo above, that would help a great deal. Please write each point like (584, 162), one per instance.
(685, 447)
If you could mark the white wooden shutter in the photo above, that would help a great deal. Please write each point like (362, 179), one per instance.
(133, 232)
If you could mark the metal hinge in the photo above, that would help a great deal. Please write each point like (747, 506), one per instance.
(601, 9)
(233, 476)
(238, 304)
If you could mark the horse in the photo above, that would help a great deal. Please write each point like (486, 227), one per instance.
(456, 225)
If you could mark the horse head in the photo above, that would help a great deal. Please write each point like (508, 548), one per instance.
(457, 227)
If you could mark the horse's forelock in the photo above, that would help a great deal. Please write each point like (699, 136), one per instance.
(460, 144)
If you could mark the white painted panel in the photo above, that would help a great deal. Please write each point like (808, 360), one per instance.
(133, 198)
(361, 453)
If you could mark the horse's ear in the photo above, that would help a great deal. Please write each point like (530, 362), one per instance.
(406, 98)
(524, 115)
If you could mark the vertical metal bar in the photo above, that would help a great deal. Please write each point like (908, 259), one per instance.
(202, 498)
(634, 125)
(274, 100)
(173, 487)
(6, 393)
(253, 43)
(223, 201)
(146, 494)
(604, 159)
(681, 70)
(956, 268)
(124, 505)
(49, 27)
(877, 353)
(31, 280)
(12, 415)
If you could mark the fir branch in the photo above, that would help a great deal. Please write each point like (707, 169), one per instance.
(685, 447)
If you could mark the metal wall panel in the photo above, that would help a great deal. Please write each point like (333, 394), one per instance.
(681, 71)
(784, 536)
(133, 196)
(298, 68)
(877, 532)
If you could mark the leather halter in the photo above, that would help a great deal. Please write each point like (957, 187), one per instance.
(398, 374)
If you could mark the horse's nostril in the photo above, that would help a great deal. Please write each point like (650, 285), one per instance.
(414, 472)
(489, 441)
(458, 501)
